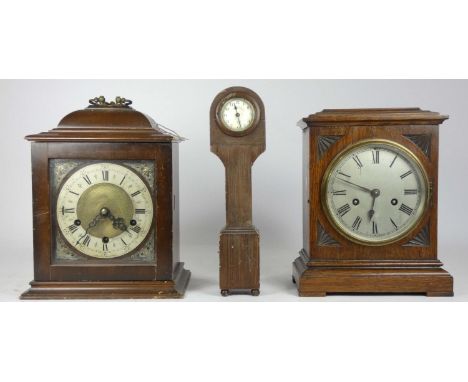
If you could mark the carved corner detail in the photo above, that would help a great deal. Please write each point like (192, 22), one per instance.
(324, 142)
(422, 239)
(324, 239)
(423, 141)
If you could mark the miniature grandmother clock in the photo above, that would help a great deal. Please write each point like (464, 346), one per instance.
(237, 137)
(370, 203)
(105, 207)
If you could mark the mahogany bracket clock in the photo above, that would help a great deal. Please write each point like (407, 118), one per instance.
(370, 203)
(237, 137)
(105, 207)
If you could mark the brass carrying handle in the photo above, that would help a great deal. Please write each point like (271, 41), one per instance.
(101, 102)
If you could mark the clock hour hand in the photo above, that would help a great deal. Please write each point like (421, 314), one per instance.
(356, 185)
(374, 193)
(117, 223)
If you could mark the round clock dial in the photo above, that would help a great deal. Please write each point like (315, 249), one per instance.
(237, 114)
(375, 192)
(104, 210)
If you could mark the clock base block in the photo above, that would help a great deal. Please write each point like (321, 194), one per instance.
(239, 268)
(316, 281)
(49, 290)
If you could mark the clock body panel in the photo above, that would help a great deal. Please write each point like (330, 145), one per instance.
(319, 223)
(162, 275)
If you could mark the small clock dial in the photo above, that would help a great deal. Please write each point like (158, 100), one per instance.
(375, 192)
(237, 114)
(104, 210)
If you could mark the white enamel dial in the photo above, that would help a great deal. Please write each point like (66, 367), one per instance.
(237, 114)
(375, 192)
(104, 210)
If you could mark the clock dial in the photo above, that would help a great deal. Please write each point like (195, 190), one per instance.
(104, 210)
(375, 192)
(237, 114)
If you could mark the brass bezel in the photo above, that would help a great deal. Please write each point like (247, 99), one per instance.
(255, 121)
(327, 175)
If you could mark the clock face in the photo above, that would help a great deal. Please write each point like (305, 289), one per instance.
(375, 192)
(237, 114)
(104, 210)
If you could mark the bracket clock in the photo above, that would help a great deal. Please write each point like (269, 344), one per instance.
(237, 137)
(370, 203)
(105, 207)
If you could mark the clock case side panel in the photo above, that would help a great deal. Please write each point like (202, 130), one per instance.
(307, 230)
(42, 233)
(166, 261)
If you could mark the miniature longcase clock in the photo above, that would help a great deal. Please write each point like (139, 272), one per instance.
(370, 203)
(105, 207)
(237, 137)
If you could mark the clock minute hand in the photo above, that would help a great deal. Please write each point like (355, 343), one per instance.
(356, 185)
(238, 115)
(92, 224)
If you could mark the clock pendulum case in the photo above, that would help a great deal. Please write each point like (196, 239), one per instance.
(105, 207)
(370, 180)
(237, 137)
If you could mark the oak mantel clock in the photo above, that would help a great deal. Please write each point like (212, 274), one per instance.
(105, 207)
(237, 137)
(370, 203)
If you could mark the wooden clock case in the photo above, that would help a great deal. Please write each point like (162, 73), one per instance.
(239, 245)
(330, 263)
(106, 134)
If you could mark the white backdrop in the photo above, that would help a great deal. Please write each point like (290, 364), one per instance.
(31, 106)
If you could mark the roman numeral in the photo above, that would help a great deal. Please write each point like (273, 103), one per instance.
(394, 224)
(140, 211)
(123, 241)
(105, 175)
(122, 180)
(73, 192)
(67, 210)
(411, 192)
(86, 240)
(393, 161)
(343, 210)
(357, 160)
(135, 229)
(104, 247)
(136, 193)
(72, 228)
(341, 192)
(342, 173)
(357, 223)
(375, 156)
(375, 231)
(87, 180)
(406, 174)
(407, 210)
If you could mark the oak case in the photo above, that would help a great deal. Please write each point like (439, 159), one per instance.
(331, 263)
(107, 134)
(239, 244)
